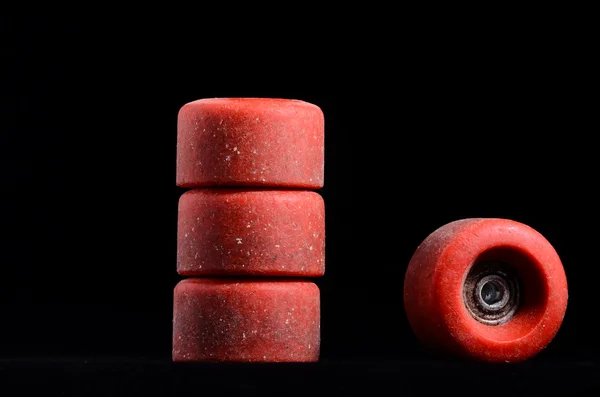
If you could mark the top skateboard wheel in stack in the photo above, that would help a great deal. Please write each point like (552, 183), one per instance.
(250, 142)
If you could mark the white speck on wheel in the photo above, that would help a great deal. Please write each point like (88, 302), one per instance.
(239, 240)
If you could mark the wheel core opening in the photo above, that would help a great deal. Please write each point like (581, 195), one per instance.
(492, 292)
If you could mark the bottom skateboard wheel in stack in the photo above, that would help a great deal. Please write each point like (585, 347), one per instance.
(487, 289)
(246, 320)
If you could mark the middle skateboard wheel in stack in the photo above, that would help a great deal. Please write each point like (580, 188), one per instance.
(249, 163)
(251, 232)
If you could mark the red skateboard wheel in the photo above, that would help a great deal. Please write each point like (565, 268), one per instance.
(250, 142)
(245, 320)
(488, 289)
(251, 232)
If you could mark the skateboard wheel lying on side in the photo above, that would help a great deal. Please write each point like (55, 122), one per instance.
(488, 289)
(246, 320)
(250, 142)
(229, 231)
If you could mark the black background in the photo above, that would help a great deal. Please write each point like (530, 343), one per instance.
(418, 133)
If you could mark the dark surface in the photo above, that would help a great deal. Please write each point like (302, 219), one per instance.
(356, 378)
(419, 132)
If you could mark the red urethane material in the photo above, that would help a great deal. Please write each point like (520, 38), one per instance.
(434, 280)
(250, 142)
(246, 320)
(229, 231)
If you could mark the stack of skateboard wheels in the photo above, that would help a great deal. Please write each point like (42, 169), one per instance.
(251, 230)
